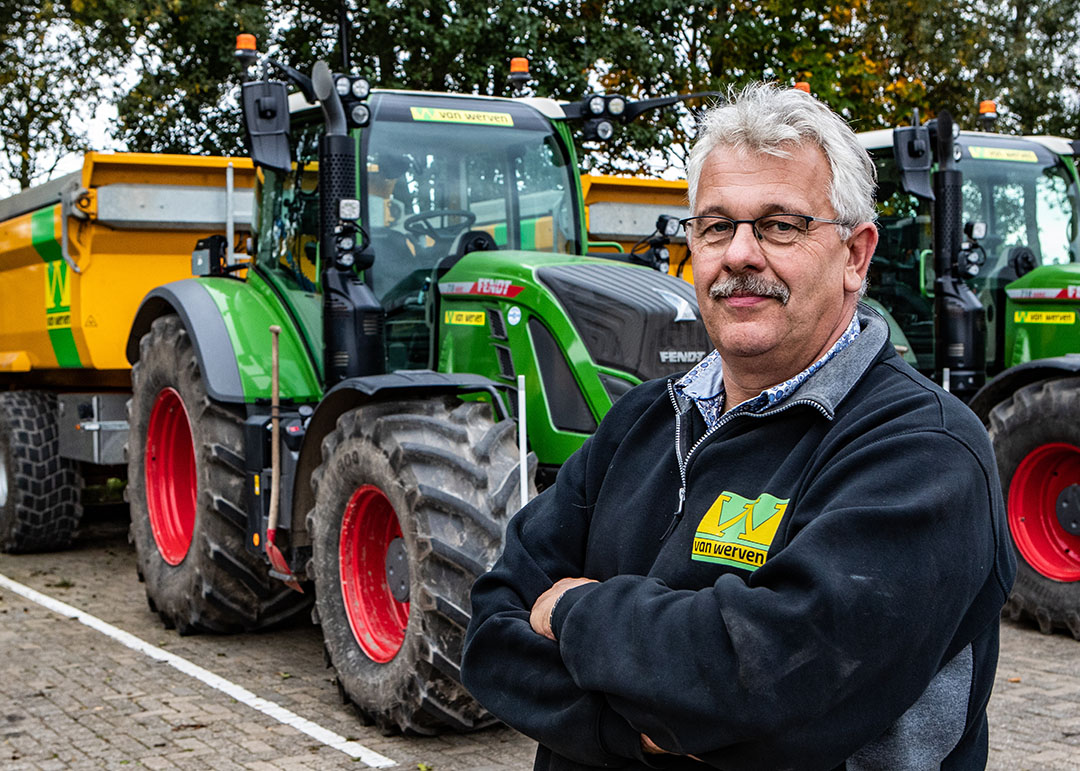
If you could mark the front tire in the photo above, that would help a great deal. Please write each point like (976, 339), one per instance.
(1036, 436)
(186, 491)
(40, 492)
(412, 502)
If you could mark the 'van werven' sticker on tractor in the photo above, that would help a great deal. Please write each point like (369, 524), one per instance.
(438, 115)
(1044, 317)
(1003, 154)
(738, 531)
(467, 318)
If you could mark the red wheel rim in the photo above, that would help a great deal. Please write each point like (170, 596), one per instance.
(1033, 495)
(368, 527)
(170, 476)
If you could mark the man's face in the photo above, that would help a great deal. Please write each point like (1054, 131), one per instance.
(751, 326)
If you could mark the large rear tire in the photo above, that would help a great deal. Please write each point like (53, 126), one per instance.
(412, 501)
(40, 492)
(186, 492)
(1036, 436)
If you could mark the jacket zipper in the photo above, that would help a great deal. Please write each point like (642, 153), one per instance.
(684, 462)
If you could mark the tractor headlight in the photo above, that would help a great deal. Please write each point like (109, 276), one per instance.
(349, 209)
(341, 85)
(361, 88)
(596, 105)
(360, 114)
(616, 105)
(605, 130)
(668, 226)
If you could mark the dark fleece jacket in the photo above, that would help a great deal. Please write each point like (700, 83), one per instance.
(826, 596)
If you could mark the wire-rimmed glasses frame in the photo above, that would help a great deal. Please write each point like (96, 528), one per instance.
(780, 229)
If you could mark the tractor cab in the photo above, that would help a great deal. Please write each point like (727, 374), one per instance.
(1020, 213)
(440, 177)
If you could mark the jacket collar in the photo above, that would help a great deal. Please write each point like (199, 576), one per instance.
(827, 387)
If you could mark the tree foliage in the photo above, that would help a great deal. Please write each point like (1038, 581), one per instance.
(875, 61)
(185, 69)
(49, 70)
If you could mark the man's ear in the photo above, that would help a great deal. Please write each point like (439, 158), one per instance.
(861, 246)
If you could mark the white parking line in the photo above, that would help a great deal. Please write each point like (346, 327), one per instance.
(353, 749)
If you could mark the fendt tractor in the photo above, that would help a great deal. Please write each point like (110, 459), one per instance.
(336, 419)
(976, 272)
(977, 265)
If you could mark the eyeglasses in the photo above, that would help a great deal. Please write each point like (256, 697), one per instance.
(713, 231)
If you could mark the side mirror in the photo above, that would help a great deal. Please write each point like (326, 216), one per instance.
(914, 159)
(266, 121)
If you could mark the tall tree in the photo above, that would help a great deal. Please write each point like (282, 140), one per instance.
(1037, 65)
(186, 67)
(49, 74)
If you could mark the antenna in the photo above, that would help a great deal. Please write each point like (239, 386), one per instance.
(343, 36)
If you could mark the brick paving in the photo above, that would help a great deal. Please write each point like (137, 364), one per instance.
(71, 697)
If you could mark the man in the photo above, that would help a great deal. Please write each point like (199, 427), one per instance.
(795, 555)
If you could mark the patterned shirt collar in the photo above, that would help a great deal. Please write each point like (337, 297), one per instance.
(704, 384)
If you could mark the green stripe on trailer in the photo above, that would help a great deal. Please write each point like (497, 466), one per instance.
(57, 288)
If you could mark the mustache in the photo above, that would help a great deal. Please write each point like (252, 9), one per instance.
(750, 284)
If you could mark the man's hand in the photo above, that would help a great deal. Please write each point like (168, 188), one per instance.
(649, 747)
(540, 616)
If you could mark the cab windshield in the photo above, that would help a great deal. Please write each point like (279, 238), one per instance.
(445, 177)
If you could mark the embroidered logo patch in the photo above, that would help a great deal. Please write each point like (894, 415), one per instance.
(738, 531)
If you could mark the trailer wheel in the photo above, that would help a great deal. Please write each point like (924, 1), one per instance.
(1036, 435)
(412, 501)
(186, 492)
(40, 492)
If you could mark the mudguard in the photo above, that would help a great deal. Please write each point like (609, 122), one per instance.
(228, 322)
(1019, 376)
(356, 391)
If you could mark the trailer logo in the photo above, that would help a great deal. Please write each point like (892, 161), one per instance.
(465, 318)
(1044, 317)
(431, 114)
(738, 531)
(57, 295)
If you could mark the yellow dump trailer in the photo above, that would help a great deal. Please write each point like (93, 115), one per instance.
(77, 255)
(624, 211)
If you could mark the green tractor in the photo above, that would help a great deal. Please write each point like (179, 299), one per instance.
(978, 267)
(344, 413)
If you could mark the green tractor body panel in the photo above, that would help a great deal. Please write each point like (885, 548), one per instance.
(248, 309)
(1042, 314)
(498, 319)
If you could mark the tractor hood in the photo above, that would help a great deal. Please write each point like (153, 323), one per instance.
(636, 320)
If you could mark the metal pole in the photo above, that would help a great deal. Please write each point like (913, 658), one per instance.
(523, 451)
(230, 258)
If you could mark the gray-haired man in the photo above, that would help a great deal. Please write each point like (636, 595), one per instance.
(766, 563)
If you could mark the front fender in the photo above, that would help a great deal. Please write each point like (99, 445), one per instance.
(228, 322)
(359, 390)
(1014, 378)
